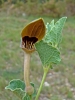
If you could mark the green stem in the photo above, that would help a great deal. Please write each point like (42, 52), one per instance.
(30, 97)
(42, 82)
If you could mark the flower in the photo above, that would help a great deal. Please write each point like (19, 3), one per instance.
(32, 33)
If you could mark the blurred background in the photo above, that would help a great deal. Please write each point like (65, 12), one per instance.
(14, 15)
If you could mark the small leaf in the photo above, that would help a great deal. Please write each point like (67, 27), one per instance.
(34, 94)
(49, 26)
(47, 53)
(17, 86)
(26, 97)
(54, 35)
(51, 66)
(48, 29)
(52, 24)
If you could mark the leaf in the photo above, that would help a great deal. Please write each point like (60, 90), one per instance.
(47, 53)
(17, 86)
(49, 26)
(48, 29)
(26, 97)
(34, 94)
(54, 35)
(52, 24)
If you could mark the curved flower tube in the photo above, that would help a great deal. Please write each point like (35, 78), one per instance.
(32, 33)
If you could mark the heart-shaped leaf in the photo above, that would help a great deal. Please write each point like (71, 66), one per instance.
(47, 53)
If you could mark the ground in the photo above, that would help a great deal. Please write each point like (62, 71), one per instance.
(60, 81)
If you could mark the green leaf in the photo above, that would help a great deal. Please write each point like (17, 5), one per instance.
(47, 53)
(51, 67)
(49, 26)
(34, 94)
(53, 34)
(17, 86)
(26, 97)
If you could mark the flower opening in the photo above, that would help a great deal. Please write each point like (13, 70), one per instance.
(32, 33)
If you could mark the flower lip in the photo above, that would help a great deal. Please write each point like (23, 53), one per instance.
(34, 29)
(32, 33)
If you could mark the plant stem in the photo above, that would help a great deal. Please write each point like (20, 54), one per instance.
(26, 69)
(29, 89)
(30, 97)
(42, 82)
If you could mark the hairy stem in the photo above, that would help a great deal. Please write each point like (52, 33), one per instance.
(29, 88)
(26, 69)
(42, 82)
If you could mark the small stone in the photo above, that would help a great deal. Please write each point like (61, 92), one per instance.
(46, 84)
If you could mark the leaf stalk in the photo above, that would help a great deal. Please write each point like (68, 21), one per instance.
(46, 69)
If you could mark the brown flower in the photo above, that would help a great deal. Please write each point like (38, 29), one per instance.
(32, 33)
